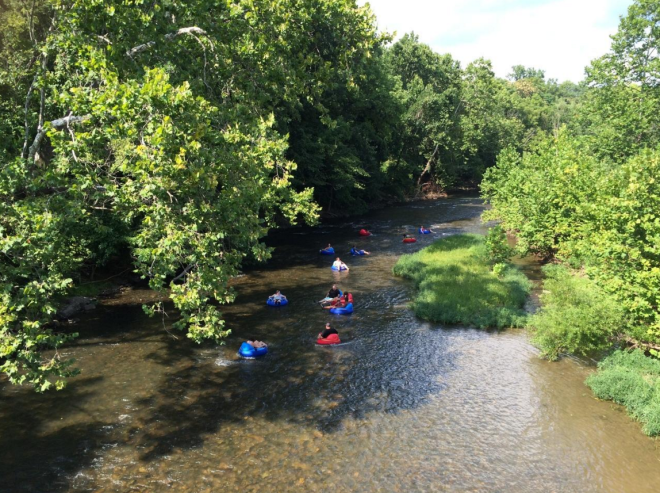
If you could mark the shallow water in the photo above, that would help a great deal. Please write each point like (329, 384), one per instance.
(404, 406)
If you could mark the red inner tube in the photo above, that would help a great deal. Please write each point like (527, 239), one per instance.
(364, 232)
(409, 240)
(328, 341)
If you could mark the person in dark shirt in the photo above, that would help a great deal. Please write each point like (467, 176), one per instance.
(333, 293)
(328, 330)
(332, 296)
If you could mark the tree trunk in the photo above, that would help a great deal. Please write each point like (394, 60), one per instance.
(427, 168)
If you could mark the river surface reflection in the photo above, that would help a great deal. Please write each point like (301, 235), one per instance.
(404, 406)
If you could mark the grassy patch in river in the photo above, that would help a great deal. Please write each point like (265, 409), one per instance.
(456, 284)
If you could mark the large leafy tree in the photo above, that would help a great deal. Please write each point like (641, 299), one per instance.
(341, 145)
(151, 128)
(492, 117)
(429, 95)
(620, 113)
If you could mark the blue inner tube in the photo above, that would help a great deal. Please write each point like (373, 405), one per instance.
(424, 231)
(327, 251)
(249, 352)
(271, 302)
(342, 269)
(347, 310)
(356, 252)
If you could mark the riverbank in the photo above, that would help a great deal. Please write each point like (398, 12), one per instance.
(456, 284)
(632, 380)
(578, 317)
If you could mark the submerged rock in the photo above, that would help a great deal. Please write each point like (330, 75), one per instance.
(74, 306)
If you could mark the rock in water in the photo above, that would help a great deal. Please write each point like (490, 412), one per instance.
(76, 305)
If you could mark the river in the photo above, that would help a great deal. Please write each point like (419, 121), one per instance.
(405, 406)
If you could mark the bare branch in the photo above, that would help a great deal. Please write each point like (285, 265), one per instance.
(73, 139)
(59, 124)
(42, 102)
(168, 37)
(185, 30)
(185, 272)
(27, 109)
(32, 36)
(140, 48)
(427, 168)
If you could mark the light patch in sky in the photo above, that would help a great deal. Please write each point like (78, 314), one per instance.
(560, 37)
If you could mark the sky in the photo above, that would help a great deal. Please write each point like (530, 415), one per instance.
(558, 36)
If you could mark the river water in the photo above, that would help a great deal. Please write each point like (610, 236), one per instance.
(404, 406)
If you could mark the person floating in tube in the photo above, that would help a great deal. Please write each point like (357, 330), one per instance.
(340, 302)
(355, 251)
(339, 265)
(332, 296)
(277, 297)
(328, 330)
(255, 343)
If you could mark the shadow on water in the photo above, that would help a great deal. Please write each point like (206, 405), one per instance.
(37, 453)
(313, 387)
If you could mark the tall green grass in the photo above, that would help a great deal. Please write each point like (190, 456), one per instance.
(631, 379)
(456, 285)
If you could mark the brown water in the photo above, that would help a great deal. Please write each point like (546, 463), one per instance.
(404, 406)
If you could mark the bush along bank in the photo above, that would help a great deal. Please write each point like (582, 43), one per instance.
(577, 316)
(633, 380)
(458, 282)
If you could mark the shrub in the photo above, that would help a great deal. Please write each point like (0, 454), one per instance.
(497, 245)
(633, 380)
(499, 269)
(576, 315)
(456, 286)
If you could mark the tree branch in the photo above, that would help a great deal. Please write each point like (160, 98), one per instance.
(635, 344)
(32, 36)
(42, 99)
(192, 30)
(185, 271)
(59, 124)
(27, 109)
(427, 168)
(73, 139)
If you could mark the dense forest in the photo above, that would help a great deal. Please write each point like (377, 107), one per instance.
(176, 134)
